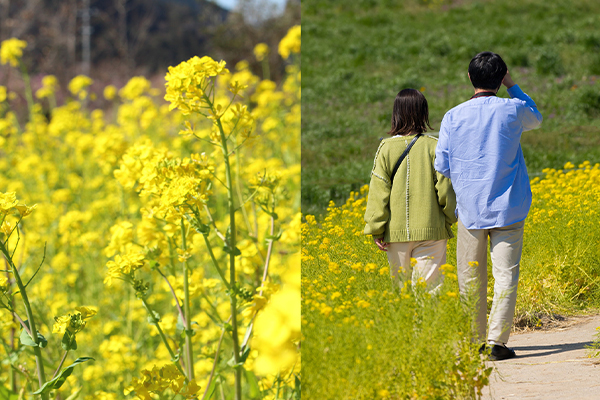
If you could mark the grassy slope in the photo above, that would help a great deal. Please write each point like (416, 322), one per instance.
(357, 55)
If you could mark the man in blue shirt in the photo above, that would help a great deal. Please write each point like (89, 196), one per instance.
(479, 149)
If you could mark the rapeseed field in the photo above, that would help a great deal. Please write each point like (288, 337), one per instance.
(152, 248)
(366, 337)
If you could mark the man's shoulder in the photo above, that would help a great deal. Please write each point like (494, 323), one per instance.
(457, 108)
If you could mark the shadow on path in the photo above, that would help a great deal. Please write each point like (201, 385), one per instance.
(545, 350)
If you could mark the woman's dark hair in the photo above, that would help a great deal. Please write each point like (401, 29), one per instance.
(487, 70)
(411, 113)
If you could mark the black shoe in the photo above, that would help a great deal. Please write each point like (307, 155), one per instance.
(501, 352)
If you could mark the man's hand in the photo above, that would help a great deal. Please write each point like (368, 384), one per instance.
(507, 81)
(381, 244)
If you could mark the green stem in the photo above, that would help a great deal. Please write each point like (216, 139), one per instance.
(264, 278)
(13, 378)
(28, 92)
(163, 337)
(215, 263)
(183, 318)
(62, 361)
(265, 68)
(232, 277)
(33, 331)
(189, 351)
(212, 372)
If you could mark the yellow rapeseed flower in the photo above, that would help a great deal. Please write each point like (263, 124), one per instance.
(137, 86)
(187, 82)
(79, 84)
(11, 51)
(261, 50)
(110, 92)
(291, 42)
(7, 202)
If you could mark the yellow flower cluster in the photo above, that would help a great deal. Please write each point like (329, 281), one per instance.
(11, 51)
(291, 42)
(73, 322)
(572, 192)
(158, 380)
(559, 255)
(188, 82)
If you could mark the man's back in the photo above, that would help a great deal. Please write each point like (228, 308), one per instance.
(480, 151)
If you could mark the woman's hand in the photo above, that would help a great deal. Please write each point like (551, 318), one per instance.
(381, 244)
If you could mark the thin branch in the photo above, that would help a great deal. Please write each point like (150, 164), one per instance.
(24, 325)
(62, 361)
(264, 278)
(36, 271)
(214, 224)
(212, 372)
(174, 295)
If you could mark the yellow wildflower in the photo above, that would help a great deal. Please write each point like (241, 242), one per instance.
(11, 51)
(110, 92)
(261, 50)
(291, 42)
(79, 84)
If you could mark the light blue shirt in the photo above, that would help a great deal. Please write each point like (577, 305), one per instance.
(479, 149)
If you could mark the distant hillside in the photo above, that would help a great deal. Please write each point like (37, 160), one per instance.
(358, 55)
(134, 36)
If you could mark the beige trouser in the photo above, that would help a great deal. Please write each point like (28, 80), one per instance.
(506, 245)
(430, 255)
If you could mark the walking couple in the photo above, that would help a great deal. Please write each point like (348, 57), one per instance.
(474, 174)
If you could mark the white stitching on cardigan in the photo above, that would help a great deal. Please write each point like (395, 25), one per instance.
(377, 155)
(381, 177)
(407, 184)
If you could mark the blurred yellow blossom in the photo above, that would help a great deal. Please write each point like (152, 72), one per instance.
(261, 50)
(11, 51)
(291, 42)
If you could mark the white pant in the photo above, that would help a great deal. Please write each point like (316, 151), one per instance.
(430, 255)
(506, 245)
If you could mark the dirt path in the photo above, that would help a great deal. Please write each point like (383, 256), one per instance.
(549, 364)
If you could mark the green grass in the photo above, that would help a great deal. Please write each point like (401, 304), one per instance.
(358, 55)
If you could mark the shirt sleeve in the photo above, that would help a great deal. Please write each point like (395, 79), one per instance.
(377, 214)
(529, 115)
(442, 161)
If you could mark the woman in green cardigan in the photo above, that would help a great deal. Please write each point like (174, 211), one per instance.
(410, 217)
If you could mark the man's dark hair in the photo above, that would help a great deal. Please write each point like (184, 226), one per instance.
(487, 70)
(411, 113)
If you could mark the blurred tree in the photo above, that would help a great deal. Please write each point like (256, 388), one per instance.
(141, 36)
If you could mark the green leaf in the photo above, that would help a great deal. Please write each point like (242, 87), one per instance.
(245, 354)
(153, 317)
(200, 227)
(27, 340)
(243, 358)
(7, 394)
(273, 238)
(236, 252)
(69, 342)
(298, 388)
(253, 388)
(180, 327)
(213, 386)
(57, 382)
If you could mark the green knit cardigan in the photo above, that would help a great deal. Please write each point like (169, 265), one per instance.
(421, 203)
